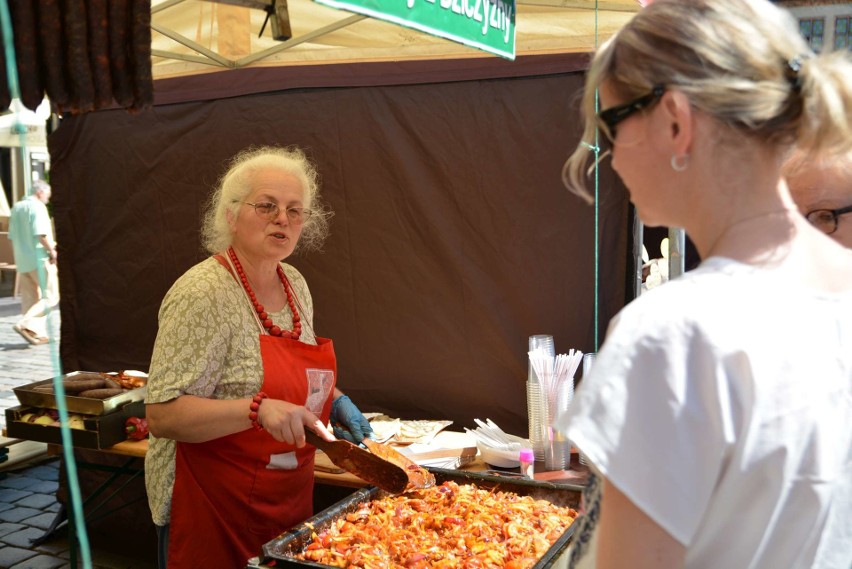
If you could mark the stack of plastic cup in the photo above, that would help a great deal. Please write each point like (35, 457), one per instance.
(537, 419)
(537, 400)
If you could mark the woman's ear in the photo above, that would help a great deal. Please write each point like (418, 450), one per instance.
(680, 117)
(231, 218)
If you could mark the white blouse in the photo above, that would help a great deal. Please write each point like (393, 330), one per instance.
(721, 405)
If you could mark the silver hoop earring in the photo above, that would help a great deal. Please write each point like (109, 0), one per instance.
(680, 163)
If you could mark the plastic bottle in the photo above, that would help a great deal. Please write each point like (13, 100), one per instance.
(527, 459)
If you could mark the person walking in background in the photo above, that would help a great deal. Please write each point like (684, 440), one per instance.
(34, 248)
(716, 417)
(822, 190)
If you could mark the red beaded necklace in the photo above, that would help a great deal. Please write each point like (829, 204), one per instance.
(264, 317)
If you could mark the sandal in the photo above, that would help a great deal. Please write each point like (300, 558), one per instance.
(30, 336)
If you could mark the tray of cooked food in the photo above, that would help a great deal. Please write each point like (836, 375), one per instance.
(87, 431)
(467, 519)
(87, 392)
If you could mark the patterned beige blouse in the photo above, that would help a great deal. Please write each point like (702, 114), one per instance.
(207, 345)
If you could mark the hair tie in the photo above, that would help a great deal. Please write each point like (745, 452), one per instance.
(792, 72)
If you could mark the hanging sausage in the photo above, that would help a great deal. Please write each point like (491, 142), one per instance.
(140, 55)
(119, 16)
(82, 54)
(52, 63)
(77, 56)
(27, 53)
(97, 27)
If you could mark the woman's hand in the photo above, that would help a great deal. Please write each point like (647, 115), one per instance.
(348, 421)
(286, 422)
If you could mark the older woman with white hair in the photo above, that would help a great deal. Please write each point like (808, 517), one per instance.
(238, 374)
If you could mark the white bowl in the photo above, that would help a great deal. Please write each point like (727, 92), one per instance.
(502, 458)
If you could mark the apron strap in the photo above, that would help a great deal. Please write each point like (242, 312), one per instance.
(225, 262)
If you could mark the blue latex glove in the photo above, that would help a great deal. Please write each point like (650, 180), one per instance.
(348, 422)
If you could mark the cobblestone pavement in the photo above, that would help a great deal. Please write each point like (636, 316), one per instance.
(20, 362)
(28, 487)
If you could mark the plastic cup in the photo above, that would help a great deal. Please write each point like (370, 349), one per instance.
(588, 361)
(557, 448)
(544, 341)
(556, 451)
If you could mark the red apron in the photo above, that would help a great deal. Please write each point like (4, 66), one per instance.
(233, 494)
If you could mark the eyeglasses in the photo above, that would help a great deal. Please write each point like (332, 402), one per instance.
(270, 211)
(609, 118)
(826, 219)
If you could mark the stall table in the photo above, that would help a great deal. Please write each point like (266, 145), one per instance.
(123, 464)
(327, 473)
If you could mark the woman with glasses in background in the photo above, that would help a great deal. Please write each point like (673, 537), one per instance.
(717, 415)
(822, 189)
(238, 373)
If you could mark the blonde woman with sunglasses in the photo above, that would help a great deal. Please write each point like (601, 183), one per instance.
(717, 415)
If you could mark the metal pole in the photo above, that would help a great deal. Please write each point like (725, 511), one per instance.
(638, 240)
(677, 251)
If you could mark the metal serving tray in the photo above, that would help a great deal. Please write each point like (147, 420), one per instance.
(282, 548)
(101, 431)
(83, 405)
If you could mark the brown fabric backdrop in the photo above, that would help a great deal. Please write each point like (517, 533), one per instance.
(453, 239)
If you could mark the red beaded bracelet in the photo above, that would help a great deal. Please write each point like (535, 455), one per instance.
(255, 405)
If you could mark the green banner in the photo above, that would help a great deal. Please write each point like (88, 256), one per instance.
(484, 24)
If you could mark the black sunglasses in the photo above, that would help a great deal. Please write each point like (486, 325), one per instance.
(609, 118)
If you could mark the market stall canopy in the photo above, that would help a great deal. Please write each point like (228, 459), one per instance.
(91, 55)
(195, 36)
